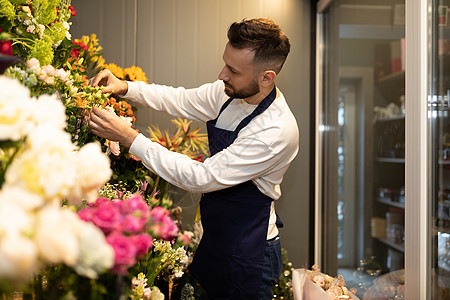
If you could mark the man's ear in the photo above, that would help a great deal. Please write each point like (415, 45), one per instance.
(268, 77)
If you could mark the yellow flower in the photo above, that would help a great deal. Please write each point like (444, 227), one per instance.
(116, 70)
(101, 61)
(94, 40)
(134, 73)
(85, 39)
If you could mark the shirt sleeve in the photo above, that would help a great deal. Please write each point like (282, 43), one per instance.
(199, 104)
(246, 159)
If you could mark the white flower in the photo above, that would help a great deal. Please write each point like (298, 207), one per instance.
(56, 235)
(96, 255)
(47, 167)
(41, 30)
(20, 198)
(18, 258)
(49, 70)
(66, 25)
(156, 294)
(31, 28)
(15, 109)
(62, 74)
(13, 219)
(92, 172)
(49, 110)
(34, 65)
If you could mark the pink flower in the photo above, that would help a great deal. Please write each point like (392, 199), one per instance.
(101, 201)
(136, 204)
(170, 230)
(114, 147)
(143, 242)
(85, 214)
(184, 239)
(147, 293)
(132, 224)
(163, 226)
(319, 280)
(124, 250)
(334, 292)
(106, 216)
(159, 213)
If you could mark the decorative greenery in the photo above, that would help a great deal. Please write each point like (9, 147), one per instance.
(38, 29)
(283, 288)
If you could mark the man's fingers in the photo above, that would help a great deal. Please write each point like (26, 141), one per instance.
(101, 79)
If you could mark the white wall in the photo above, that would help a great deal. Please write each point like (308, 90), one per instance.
(181, 42)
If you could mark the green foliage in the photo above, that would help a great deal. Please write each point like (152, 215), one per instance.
(283, 288)
(36, 28)
(61, 282)
(43, 51)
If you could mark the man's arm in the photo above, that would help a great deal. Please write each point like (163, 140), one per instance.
(199, 104)
(246, 159)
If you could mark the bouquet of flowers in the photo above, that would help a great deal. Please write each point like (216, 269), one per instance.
(312, 284)
(88, 49)
(38, 28)
(40, 168)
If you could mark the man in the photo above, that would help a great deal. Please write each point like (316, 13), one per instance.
(253, 137)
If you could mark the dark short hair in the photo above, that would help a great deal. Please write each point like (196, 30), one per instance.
(269, 43)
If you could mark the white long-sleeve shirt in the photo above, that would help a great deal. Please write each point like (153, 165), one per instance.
(262, 151)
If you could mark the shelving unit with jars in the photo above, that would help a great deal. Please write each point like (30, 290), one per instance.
(388, 205)
(439, 107)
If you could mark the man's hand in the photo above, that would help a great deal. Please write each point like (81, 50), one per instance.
(111, 83)
(109, 126)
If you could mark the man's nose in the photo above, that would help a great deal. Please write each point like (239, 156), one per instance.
(223, 75)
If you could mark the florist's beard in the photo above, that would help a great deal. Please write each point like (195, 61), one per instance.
(247, 92)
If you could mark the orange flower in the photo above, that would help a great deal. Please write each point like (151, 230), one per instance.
(116, 70)
(80, 102)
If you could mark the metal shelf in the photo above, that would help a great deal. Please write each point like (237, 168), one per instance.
(393, 245)
(382, 32)
(391, 203)
(390, 160)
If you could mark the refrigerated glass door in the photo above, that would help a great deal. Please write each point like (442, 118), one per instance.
(362, 145)
(439, 157)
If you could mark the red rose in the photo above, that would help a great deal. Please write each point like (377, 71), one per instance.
(76, 52)
(5, 46)
(73, 12)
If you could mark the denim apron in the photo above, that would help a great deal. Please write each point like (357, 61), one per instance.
(229, 260)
